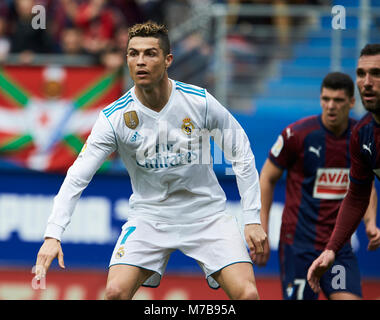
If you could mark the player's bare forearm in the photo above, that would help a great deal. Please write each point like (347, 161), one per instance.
(370, 215)
(269, 176)
(372, 231)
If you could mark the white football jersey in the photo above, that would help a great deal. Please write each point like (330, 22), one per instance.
(167, 156)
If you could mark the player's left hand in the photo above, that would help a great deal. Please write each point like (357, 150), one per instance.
(318, 268)
(255, 237)
(373, 234)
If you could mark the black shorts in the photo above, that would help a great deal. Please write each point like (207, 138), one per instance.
(343, 276)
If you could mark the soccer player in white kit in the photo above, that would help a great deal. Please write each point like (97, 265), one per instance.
(161, 129)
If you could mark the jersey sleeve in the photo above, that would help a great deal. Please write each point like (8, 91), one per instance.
(231, 138)
(360, 170)
(99, 145)
(356, 201)
(285, 149)
(350, 213)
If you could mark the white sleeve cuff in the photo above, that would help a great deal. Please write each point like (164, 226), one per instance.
(54, 231)
(251, 217)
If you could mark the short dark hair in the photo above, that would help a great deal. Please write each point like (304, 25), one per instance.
(151, 29)
(338, 81)
(370, 50)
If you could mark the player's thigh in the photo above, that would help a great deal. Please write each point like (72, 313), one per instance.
(238, 281)
(124, 280)
(344, 296)
(294, 264)
(214, 243)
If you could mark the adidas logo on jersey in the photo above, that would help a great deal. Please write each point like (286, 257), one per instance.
(136, 136)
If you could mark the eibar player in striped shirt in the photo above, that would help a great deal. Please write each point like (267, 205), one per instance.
(365, 164)
(314, 151)
(161, 129)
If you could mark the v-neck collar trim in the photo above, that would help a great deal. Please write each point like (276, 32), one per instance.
(150, 112)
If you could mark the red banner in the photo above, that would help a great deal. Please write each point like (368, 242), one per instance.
(90, 285)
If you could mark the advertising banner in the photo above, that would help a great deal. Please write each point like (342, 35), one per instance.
(26, 200)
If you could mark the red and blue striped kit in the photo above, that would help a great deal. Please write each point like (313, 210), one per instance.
(317, 164)
(365, 146)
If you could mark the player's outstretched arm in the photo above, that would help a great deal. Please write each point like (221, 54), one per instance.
(50, 249)
(318, 268)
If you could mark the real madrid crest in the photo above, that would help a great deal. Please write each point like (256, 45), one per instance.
(120, 252)
(131, 119)
(187, 126)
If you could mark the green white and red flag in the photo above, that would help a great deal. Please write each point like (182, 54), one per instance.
(43, 132)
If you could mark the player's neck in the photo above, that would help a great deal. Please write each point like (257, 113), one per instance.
(376, 117)
(155, 97)
(336, 130)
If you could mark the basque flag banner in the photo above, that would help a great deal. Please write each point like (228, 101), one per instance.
(46, 113)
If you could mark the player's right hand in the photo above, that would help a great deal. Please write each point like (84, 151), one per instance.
(318, 268)
(50, 249)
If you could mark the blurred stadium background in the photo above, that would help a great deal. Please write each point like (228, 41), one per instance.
(264, 59)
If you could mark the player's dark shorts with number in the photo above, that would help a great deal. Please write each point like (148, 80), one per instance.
(343, 276)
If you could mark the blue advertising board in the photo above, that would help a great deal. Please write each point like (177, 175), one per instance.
(26, 199)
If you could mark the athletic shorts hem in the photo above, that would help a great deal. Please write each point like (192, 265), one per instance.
(212, 283)
(133, 265)
(330, 292)
(144, 285)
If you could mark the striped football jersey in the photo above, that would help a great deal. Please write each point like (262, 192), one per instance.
(317, 164)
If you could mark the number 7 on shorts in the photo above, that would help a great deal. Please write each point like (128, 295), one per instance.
(129, 230)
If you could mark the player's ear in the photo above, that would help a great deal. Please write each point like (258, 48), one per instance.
(168, 60)
(352, 102)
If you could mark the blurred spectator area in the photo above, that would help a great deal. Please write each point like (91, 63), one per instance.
(232, 47)
(93, 28)
(87, 28)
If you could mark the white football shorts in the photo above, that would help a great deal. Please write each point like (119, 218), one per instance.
(214, 243)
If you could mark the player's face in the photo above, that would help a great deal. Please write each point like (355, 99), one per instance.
(146, 61)
(336, 105)
(368, 82)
